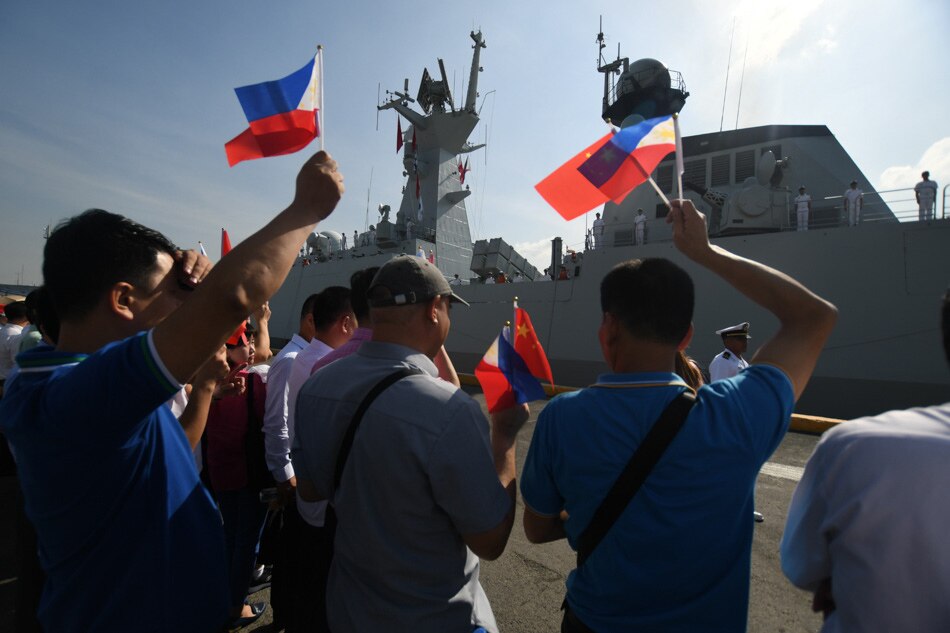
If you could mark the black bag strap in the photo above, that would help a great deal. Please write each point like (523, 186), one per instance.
(347, 442)
(635, 473)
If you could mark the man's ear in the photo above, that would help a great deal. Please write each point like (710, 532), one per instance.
(607, 335)
(120, 300)
(686, 339)
(347, 323)
(432, 308)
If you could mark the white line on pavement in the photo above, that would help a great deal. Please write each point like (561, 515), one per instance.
(782, 471)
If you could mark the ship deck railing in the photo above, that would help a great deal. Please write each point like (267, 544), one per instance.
(887, 205)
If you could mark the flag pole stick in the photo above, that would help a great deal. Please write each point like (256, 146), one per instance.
(652, 182)
(659, 192)
(515, 317)
(321, 112)
(679, 155)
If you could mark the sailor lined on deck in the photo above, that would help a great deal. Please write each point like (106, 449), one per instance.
(802, 208)
(598, 231)
(926, 193)
(853, 203)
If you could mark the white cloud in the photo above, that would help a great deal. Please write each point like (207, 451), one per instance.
(823, 45)
(936, 160)
(769, 25)
(537, 252)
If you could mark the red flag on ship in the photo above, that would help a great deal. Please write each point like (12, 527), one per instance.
(463, 169)
(398, 135)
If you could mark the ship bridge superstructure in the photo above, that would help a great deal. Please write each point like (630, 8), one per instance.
(433, 201)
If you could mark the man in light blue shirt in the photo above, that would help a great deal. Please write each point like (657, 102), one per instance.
(678, 557)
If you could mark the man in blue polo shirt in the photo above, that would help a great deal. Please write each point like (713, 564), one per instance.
(129, 538)
(678, 557)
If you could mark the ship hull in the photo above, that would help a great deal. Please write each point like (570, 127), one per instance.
(886, 280)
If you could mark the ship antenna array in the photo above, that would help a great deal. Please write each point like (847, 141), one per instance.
(741, 81)
(600, 43)
(725, 88)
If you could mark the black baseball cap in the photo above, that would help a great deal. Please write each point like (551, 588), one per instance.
(408, 280)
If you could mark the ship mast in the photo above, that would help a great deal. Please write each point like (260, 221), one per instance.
(473, 74)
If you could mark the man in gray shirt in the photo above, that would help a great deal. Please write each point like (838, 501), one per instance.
(427, 487)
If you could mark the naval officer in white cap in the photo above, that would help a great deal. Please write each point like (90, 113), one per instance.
(730, 362)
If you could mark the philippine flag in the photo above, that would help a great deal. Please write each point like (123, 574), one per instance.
(626, 161)
(509, 375)
(282, 114)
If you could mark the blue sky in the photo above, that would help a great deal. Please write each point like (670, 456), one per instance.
(126, 106)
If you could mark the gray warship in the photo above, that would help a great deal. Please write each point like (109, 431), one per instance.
(886, 276)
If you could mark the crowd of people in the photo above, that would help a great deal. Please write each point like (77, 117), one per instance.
(172, 467)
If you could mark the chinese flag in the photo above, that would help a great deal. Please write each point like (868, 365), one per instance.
(568, 191)
(529, 348)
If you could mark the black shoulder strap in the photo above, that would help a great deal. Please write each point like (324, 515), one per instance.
(635, 473)
(347, 443)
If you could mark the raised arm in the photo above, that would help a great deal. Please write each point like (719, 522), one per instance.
(195, 416)
(248, 275)
(805, 319)
(262, 351)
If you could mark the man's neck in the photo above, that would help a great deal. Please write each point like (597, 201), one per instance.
(630, 357)
(87, 336)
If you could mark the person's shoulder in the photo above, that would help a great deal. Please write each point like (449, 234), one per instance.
(918, 422)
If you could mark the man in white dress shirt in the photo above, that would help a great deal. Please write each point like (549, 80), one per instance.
(866, 529)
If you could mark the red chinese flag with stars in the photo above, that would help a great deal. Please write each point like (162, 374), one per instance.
(568, 191)
(529, 348)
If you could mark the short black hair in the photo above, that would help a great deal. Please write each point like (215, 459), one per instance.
(331, 303)
(16, 311)
(307, 307)
(360, 281)
(652, 298)
(46, 318)
(90, 252)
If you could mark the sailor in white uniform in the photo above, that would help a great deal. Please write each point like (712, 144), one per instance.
(854, 202)
(730, 362)
(802, 207)
(598, 231)
(926, 192)
(639, 223)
